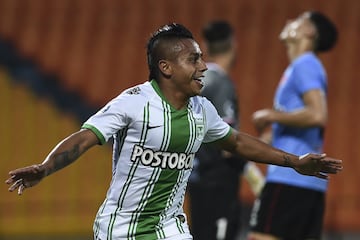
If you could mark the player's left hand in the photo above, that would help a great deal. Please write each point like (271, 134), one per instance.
(318, 165)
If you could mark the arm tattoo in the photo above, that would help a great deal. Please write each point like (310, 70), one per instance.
(63, 159)
(287, 161)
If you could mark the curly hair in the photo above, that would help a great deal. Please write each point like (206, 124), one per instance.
(326, 32)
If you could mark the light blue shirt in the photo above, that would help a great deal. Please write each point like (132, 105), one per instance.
(304, 74)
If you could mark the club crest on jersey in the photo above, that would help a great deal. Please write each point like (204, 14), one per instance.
(200, 129)
(170, 160)
(200, 132)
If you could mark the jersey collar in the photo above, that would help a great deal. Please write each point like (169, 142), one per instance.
(156, 87)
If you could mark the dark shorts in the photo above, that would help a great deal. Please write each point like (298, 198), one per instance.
(288, 212)
(215, 211)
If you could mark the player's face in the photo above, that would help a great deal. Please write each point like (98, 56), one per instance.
(298, 28)
(188, 68)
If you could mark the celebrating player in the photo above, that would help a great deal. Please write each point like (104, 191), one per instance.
(157, 128)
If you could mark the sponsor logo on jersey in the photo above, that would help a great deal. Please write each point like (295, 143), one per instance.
(105, 108)
(134, 90)
(171, 160)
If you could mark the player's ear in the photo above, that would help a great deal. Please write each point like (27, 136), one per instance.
(165, 68)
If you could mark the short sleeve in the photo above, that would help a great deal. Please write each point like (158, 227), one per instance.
(216, 128)
(108, 120)
(309, 75)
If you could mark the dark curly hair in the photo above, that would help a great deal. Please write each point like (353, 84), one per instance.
(327, 33)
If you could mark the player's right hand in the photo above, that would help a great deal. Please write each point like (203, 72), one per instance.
(26, 177)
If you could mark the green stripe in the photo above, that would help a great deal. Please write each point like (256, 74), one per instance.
(129, 177)
(165, 142)
(224, 137)
(121, 140)
(96, 131)
(180, 228)
(192, 138)
(120, 137)
(192, 129)
(167, 116)
(180, 131)
(176, 139)
(97, 223)
(142, 202)
(145, 194)
(150, 216)
(172, 196)
(111, 225)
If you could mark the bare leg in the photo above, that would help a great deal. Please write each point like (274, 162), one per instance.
(261, 236)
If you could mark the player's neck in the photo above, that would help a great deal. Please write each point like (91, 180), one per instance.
(294, 50)
(173, 96)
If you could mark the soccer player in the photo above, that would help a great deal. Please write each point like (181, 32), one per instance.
(157, 128)
(291, 205)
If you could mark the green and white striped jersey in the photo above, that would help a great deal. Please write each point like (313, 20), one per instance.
(153, 152)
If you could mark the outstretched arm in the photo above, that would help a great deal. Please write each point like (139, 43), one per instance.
(253, 149)
(64, 153)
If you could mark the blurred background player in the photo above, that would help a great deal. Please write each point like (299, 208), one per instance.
(215, 180)
(298, 120)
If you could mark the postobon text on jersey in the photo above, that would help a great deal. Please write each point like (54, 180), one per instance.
(164, 160)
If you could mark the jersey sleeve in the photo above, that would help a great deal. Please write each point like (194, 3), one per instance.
(217, 128)
(309, 76)
(110, 119)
